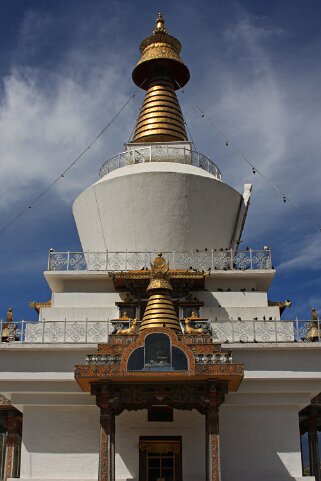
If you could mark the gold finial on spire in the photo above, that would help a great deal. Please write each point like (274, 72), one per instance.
(160, 311)
(160, 24)
(160, 71)
(159, 278)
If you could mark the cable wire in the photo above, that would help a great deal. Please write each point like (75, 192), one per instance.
(61, 176)
(190, 136)
(255, 170)
(100, 221)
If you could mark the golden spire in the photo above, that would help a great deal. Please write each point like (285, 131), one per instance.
(160, 311)
(160, 71)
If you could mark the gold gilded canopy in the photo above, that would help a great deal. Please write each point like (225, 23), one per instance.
(160, 50)
(160, 71)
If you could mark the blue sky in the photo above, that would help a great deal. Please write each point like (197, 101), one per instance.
(66, 70)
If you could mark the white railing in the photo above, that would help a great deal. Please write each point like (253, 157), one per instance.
(207, 260)
(93, 332)
(66, 332)
(160, 153)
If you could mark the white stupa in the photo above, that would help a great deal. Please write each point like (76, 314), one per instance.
(165, 196)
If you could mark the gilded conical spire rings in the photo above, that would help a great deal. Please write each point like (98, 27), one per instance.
(160, 311)
(160, 118)
(160, 71)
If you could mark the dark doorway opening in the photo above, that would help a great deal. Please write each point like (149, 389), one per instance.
(160, 458)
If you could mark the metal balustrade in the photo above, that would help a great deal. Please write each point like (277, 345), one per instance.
(160, 153)
(200, 260)
(217, 358)
(93, 332)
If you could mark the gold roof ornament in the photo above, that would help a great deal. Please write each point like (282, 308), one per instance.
(314, 314)
(313, 333)
(160, 311)
(159, 277)
(38, 305)
(160, 71)
(9, 315)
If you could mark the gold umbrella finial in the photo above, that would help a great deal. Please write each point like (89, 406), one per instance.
(160, 24)
(160, 71)
(159, 278)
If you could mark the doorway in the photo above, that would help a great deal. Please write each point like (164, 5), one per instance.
(160, 458)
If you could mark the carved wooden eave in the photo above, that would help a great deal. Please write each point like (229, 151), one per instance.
(110, 363)
(182, 281)
(179, 395)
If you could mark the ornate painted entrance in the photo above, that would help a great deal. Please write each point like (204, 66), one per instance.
(164, 367)
(117, 388)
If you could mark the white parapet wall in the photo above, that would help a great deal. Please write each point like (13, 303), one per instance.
(260, 442)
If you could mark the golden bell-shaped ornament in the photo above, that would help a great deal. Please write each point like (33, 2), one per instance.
(160, 311)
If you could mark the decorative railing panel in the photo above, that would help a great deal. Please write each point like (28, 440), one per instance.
(102, 359)
(160, 153)
(218, 358)
(93, 332)
(254, 331)
(207, 260)
(72, 332)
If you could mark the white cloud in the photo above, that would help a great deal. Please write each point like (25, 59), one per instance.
(48, 116)
(40, 133)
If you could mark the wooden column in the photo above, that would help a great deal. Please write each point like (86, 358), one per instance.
(107, 434)
(213, 461)
(107, 446)
(314, 445)
(11, 444)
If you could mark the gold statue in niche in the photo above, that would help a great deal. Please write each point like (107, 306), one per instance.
(130, 330)
(192, 330)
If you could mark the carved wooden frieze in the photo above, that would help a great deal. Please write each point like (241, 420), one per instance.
(204, 360)
(200, 396)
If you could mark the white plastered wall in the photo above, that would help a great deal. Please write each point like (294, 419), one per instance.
(157, 205)
(260, 443)
(188, 424)
(60, 442)
(85, 299)
(79, 313)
